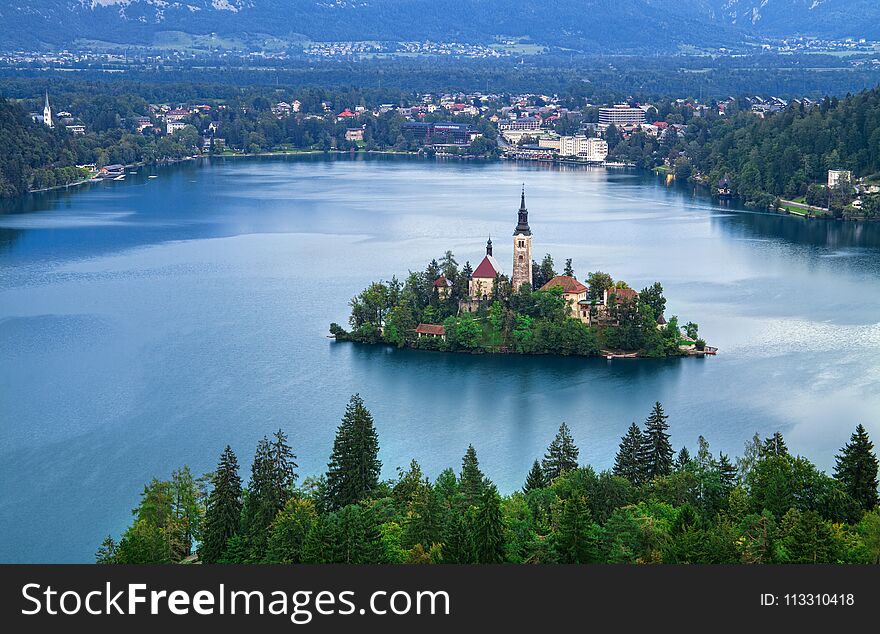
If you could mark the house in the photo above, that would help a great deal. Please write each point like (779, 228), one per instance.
(178, 114)
(432, 331)
(354, 134)
(76, 128)
(619, 295)
(839, 177)
(482, 280)
(173, 126)
(443, 286)
(574, 293)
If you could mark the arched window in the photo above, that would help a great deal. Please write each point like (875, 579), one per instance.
(520, 258)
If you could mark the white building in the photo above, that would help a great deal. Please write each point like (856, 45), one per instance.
(836, 176)
(591, 149)
(621, 114)
(173, 126)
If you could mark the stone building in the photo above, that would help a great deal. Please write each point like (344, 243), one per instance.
(522, 248)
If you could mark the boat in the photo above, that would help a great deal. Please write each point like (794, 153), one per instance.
(153, 176)
(120, 178)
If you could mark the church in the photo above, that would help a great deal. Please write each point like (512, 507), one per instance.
(482, 283)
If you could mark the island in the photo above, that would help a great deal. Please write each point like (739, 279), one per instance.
(532, 311)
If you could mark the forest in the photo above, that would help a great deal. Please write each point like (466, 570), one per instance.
(523, 321)
(783, 155)
(655, 505)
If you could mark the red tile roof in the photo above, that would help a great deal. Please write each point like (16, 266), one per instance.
(623, 294)
(430, 329)
(488, 268)
(442, 281)
(569, 285)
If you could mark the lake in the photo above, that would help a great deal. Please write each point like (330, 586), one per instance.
(145, 324)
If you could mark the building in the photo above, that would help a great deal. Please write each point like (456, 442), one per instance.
(178, 114)
(591, 149)
(575, 294)
(482, 282)
(438, 132)
(521, 124)
(47, 112)
(354, 134)
(173, 126)
(443, 286)
(522, 247)
(838, 177)
(76, 128)
(621, 114)
(432, 331)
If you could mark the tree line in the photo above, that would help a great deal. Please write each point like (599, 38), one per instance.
(653, 506)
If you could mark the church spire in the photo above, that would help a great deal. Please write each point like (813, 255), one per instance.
(522, 227)
(489, 246)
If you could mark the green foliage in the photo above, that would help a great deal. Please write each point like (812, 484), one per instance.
(766, 507)
(856, 469)
(561, 456)
(353, 470)
(223, 513)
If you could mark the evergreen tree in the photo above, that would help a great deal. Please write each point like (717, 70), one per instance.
(471, 480)
(353, 470)
(319, 546)
(774, 446)
(856, 469)
(107, 552)
(683, 460)
(575, 539)
(627, 463)
(656, 456)
(289, 530)
(568, 270)
(458, 540)
(223, 513)
(535, 479)
(489, 529)
(728, 474)
(561, 456)
(271, 485)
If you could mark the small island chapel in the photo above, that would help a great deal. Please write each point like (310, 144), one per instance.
(483, 284)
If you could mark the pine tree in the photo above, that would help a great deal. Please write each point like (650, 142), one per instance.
(458, 539)
(856, 469)
(656, 457)
(574, 539)
(774, 446)
(561, 456)
(627, 463)
(320, 544)
(271, 486)
(728, 474)
(568, 270)
(535, 479)
(353, 470)
(471, 479)
(683, 460)
(107, 552)
(223, 513)
(489, 529)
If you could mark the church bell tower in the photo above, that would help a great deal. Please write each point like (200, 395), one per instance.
(47, 112)
(522, 247)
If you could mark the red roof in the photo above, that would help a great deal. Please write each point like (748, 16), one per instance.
(488, 268)
(623, 294)
(430, 329)
(442, 281)
(569, 285)
(347, 113)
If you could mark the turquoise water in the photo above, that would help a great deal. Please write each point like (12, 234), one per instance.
(144, 324)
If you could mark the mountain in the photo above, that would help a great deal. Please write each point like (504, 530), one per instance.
(587, 25)
(824, 18)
